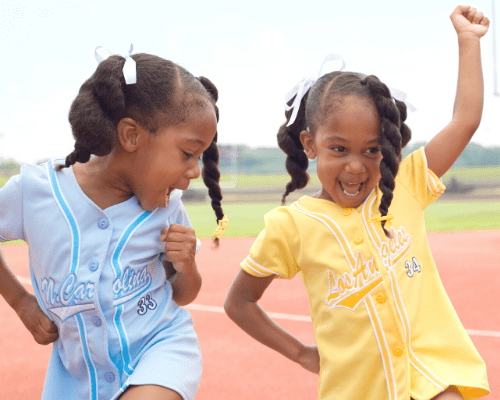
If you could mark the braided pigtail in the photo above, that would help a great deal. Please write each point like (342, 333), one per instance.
(403, 128)
(390, 141)
(289, 141)
(96, 111)
(210, 159)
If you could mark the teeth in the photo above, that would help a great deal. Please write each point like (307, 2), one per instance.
(351, 185)
(351, 194)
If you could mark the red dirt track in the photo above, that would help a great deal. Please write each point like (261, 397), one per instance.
(236, 366)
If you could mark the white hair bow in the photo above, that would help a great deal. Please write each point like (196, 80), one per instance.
(129, 68)
(300, 90)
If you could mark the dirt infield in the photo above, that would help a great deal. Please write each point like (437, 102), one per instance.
(237, 367)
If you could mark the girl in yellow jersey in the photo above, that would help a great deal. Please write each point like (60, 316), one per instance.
(384, 326)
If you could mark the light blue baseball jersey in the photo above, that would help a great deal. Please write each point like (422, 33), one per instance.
(98, 275)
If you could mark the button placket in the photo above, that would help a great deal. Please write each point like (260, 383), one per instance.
(381, 297)
(397, 351)
(109, 377)
(93, 265)
(103, 223)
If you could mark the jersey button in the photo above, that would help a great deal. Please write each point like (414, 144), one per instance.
(358, 239)
(103, 223)
(109, 376)
(93, 265)
(346, 212)
(397, 351)
(96, 320)
(381, 298)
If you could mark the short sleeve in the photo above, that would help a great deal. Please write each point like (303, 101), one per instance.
(11, 210)
(418, 179)
(270, 254)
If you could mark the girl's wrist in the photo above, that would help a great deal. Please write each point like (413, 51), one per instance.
(465, 37)
(15, 300)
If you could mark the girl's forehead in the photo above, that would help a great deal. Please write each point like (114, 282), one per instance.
(356, 118)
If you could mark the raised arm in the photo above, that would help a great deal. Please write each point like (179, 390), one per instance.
(444, 149)
(242, 307)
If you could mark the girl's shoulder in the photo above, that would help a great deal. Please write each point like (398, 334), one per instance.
(33, 176)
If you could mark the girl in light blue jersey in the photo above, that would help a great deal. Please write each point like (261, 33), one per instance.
(111, 248)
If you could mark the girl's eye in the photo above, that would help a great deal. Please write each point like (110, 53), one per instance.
(339, 149)
(374, 150)
(188, 155)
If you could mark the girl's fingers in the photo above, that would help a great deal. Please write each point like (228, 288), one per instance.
(471, 14)
(477, 18)
(47, 324)
(485, 21)
(461, 10)
(163, 235)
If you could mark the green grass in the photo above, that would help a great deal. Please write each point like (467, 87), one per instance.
(3, 180)
(242, 181)
(472, 174)
(247, 219)
(448, 215)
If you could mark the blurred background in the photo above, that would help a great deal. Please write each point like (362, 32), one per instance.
(255, 52)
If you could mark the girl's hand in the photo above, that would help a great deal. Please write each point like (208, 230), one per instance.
(180, 247)
(181, 270)
(468, 21)
(309, 358)
(44, 331)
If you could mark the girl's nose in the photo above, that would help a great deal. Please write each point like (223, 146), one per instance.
(194, 171)
(355, 166)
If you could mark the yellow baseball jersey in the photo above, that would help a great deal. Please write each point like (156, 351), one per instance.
(384, 326)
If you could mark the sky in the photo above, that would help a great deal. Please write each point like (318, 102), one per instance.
(254, 51)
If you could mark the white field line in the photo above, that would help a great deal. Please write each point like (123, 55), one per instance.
(288, 317)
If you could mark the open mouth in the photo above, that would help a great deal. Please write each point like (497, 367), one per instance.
(351, 189)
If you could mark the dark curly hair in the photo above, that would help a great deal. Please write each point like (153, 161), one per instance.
(318, 104)
(165, 94)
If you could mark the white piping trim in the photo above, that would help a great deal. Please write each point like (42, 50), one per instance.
(430, 380)
(386, 346)
(409, 340)
(311, 214)
(366, 223)
(380, 348)
(253, 269)
(89, 358)
(260, 266)
(64, 213)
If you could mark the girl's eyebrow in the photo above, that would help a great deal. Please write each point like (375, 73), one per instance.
(336, 139)
(195, 141)
(341, 139)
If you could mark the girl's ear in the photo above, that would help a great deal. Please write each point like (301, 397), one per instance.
(307, 141)
(130, 134)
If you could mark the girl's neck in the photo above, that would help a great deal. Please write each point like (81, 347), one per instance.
(102, 182)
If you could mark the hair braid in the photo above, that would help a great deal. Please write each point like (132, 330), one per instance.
(390, 141)
(296, 159)
(403, 128)
(210, 159)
